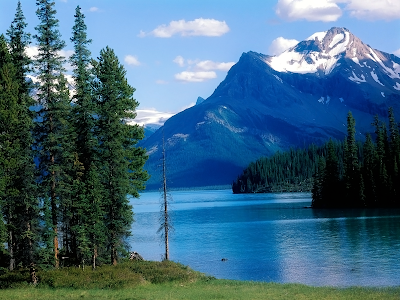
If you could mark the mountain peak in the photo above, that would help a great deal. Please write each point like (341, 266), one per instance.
(323, 52)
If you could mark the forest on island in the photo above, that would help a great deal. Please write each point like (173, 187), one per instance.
(339, 174)
(68, 158)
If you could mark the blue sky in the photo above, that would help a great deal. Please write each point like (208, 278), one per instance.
(177, 50)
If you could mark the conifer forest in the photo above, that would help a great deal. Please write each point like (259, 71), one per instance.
(340, 174)
(68, 158)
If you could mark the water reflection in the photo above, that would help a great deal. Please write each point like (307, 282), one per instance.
(272, 237)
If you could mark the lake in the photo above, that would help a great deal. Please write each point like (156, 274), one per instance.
(272, 237)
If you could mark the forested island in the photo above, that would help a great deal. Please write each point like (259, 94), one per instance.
(339, 174)
(68, 159)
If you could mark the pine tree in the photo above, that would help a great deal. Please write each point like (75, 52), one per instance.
(52, 131)
(88, 225)
(122, 162)
(27, 201)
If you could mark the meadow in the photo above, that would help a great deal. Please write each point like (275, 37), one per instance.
(164, 280)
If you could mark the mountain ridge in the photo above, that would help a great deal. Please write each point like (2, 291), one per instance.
(257, 110)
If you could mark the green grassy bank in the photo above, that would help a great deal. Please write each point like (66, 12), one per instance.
(164, 280)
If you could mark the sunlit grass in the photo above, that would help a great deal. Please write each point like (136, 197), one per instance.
(165, 280)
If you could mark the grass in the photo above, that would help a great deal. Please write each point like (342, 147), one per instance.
(164, 280)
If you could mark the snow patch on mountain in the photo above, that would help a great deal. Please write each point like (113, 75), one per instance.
(355, 78)
(319, 35)
(355, 59)
(383, 94)
(397, 86)
(375, 77)
(337, 38)
(341, 46)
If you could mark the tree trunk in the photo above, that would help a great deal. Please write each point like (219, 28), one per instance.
(11, 250)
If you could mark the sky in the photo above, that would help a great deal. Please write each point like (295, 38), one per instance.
(178, 50)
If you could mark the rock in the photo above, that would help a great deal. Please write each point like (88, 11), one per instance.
(135, 256)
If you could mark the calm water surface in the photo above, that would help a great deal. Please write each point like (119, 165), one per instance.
(272, 237)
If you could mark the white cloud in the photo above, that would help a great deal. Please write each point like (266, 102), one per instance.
(197, 27)
(66, 53)
(151, 116)
(32, 51)
(208, 65)
(200, 76)
(332, 10)
(310, 10)
(132, 60)
(179, 60)
(374, 9)
(93, 9)
(204, 65)
(199, 71)
(281, 44)
(397, 52)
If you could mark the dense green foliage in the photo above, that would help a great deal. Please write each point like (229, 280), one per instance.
(124, 275)
(166, 280)
(368, 180)
(339, 174)
(68, 160)
(283, 172)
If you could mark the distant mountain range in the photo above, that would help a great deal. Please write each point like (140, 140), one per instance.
(271, 103)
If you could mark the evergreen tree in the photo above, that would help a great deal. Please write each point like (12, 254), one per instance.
(317, 189)
(122, 162)
(352, 175)
(87, 225)
(27, 201)
(9, 146)
(52, 131)
(368, 171)
(331, 190)
(394, 155)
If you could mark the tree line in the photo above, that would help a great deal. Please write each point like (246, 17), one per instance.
(68, 159)
(345, 173)
(290, 171)
(368, 180)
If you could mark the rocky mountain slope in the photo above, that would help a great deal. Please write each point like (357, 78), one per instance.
(271, 103)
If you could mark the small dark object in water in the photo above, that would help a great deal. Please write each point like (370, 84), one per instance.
(135, 256)
(224, 259)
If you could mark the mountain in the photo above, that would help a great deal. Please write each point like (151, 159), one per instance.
(271, 103)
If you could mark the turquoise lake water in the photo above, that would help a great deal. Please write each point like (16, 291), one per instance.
(272, 237)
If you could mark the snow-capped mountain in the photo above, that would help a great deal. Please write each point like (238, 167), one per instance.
(324, 52)
(270, 103)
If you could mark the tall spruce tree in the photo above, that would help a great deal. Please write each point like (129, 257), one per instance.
(9, 147)
(88, 227)
(368, 171)
(331, 190)
(394, 156)
(122, 162)
(27, 212)
(352, 176)
(52, 131)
